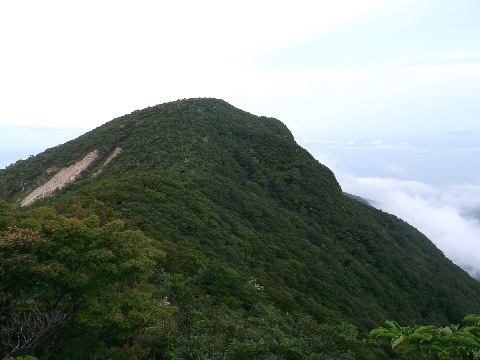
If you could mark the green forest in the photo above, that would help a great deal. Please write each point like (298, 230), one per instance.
(211, 235)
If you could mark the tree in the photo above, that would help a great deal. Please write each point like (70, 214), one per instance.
(68, 283)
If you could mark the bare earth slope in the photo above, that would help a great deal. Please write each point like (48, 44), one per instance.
(60, 179)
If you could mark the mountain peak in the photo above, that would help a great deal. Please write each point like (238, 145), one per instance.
(232, 197)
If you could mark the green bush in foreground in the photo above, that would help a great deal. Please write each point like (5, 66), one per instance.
(449, 342)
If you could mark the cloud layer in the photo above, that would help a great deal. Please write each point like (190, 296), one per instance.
(447, 215)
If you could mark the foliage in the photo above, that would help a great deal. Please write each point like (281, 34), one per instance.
(206, 329)
(259, 240)
(69, 278)
(449, 342)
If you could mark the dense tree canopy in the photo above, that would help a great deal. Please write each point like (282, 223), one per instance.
(70, 283)
(82, 287)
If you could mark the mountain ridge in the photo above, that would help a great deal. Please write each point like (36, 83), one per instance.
(248, 217)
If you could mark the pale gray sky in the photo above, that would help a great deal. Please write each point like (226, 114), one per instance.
(370, 69)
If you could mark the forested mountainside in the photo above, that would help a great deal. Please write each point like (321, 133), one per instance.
(259, 252)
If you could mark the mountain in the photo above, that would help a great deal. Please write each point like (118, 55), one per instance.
(253, 227)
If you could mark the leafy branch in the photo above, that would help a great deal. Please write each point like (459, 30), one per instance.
(449, 342)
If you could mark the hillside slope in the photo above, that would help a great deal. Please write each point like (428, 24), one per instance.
(246, 217)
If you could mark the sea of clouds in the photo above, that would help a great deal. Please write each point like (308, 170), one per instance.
(447, 213)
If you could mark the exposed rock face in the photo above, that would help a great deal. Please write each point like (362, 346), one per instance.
(62, 178)
(108, 159)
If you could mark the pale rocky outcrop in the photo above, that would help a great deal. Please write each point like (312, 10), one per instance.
(60, 179)
(108, 159)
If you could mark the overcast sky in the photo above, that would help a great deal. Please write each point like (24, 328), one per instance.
(378, 69)
(386, 92)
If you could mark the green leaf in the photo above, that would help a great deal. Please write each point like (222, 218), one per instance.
(381, 332)
(393, 325)
(446, 331)
(466, 334)
(424, 329)
(398, 341)
(377, 331)
(419, 337)
(462, 340)
(472, 317)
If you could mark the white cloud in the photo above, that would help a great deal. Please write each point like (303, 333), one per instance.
(397, 169)
(443, 214)
(351, 144)
(449, 215)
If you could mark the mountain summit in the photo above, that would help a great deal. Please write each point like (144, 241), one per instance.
(246, 217)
